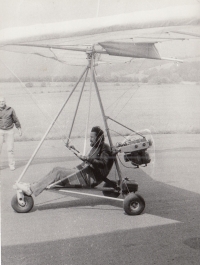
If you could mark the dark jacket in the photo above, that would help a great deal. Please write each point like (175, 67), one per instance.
(8, 118)
(101, 159)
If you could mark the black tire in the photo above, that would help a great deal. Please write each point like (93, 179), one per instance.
(113, 194)
(29, 203)
(134, 204)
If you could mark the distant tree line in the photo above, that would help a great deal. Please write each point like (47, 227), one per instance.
(156, 75)
(174, 74)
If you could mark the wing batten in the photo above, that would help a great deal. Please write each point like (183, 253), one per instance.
(187, 33)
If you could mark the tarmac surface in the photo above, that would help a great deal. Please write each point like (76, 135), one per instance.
(72, 229)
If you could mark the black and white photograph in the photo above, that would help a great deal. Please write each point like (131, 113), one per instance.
(100, 132)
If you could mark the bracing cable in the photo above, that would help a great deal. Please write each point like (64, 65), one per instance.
(44, 112)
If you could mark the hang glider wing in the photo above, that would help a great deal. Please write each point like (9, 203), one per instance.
(132, 35)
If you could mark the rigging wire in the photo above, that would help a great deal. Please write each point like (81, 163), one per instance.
(125, 104)
(51, 58)
(165, 112)
(132, 94)
(43, 111)
(100, 138)
(117, 100)
(138, 86)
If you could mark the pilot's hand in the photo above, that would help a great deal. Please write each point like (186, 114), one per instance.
(82, 157)
(71, 147)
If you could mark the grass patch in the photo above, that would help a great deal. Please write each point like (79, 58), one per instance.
(163, 109)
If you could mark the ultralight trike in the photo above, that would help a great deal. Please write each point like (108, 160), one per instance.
(135, 151)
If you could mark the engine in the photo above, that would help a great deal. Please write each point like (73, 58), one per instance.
(137, 158)
(135, 151)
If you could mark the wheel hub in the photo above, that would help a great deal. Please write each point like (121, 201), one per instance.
(134, 206)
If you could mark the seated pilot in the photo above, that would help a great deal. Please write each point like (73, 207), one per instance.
(92, 171)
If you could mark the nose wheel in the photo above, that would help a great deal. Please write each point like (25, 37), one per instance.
(22, 203)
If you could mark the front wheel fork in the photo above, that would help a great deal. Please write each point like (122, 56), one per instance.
(20, 198)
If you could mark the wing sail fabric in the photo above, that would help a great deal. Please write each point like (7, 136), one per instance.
(168, 17)
(128, 49)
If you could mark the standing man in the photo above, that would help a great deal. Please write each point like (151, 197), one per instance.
(8, 119)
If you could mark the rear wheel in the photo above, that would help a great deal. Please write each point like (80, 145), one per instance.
(22, 209)
(134, 204)
(113, 194)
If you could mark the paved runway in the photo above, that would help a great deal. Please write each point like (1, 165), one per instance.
(74, 229)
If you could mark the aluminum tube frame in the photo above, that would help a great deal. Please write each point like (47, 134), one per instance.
(91, 66)
(89, 105)
(125, 126)
(48, 130)
(106, 124)
(77, 106)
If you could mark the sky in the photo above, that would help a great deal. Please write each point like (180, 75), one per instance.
(18, 13)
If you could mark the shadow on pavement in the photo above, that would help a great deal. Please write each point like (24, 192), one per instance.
(161, 199)
(125, 246)
(137, 246)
